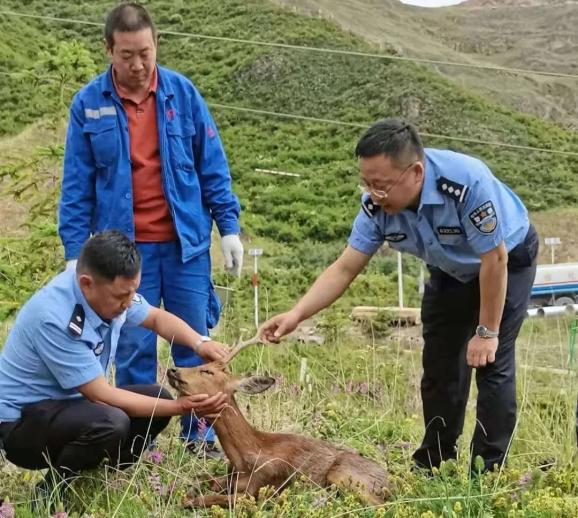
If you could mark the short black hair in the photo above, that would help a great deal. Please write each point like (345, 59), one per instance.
(127, 17)
(109, 254)
(393, 137)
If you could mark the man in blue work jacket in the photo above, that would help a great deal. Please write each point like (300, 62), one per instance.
(473, 232)
(56, 406)
(143, 156)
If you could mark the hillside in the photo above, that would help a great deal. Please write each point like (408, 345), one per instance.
(303, 221)
(536, 35)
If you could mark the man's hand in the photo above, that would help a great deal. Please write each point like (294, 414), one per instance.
(481, 351)
(279, 326)
(202, 405)
(233, 253)
(212, 351)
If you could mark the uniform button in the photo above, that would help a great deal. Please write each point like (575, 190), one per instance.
(127, 195)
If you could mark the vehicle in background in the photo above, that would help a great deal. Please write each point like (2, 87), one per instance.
(555, 285)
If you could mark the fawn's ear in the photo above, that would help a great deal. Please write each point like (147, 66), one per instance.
(254, 384)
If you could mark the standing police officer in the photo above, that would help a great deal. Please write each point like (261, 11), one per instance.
(143, 155)
(56, 407)
(473, 232)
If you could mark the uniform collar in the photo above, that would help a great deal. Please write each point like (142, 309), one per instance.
(124, 94)
(90, 315)
(429, 192)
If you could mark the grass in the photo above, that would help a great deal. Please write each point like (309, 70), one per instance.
(364, 393)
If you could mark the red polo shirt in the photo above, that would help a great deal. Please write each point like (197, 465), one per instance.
(152, 218)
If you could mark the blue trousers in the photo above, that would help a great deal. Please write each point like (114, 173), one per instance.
(186, 290)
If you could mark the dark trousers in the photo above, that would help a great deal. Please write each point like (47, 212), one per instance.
(74, 435)
(450, 313)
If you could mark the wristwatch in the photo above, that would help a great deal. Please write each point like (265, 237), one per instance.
(484, 332)
(202, 340)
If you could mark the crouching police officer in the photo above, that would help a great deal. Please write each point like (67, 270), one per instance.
(473, 232)
(56, 407)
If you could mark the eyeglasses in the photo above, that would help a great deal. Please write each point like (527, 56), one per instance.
(379, 194)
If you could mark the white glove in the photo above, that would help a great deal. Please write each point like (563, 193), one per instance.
(233, 253)
(71, 265)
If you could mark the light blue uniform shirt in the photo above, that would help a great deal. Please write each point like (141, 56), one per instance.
(58, 343)
(464, 211)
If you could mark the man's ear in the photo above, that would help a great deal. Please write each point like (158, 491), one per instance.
(253, 384)
(107, 49)
(85, 280)
(419, 172)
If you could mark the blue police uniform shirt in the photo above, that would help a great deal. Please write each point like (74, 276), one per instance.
(464, 211)
(58, 343)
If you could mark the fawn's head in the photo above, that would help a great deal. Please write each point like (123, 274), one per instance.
(214, 377)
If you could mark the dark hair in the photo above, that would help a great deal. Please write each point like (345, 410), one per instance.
(109, 254)
(395, 138)
(127, 17)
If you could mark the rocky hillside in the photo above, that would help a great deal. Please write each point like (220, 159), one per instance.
(517, 3)
(523, 34)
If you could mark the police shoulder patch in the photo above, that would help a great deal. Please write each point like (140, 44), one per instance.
(454, 190)
(484, 218)
(370, 208)
(76, 323)
(137, 299)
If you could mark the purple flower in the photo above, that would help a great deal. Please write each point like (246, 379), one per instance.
(202, 426)
(525, 479)
(156, 456)
(155, 482)
(160, 488)
(363, 388)
(295, 389)
(7, 510)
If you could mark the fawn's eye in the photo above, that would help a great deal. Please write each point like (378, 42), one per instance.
(205, 371)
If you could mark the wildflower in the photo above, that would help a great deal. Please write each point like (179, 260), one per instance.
(60, 514)
(525, 479)
(156, 456)
(7, 510)
(363, 388)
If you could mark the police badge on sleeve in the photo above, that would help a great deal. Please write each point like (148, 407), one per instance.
(484, 218)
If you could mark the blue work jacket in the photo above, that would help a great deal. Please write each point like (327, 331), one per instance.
(97, 176)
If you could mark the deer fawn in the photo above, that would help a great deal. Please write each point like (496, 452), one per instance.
(258, 459)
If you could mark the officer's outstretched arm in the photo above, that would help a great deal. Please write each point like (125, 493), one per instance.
(328, 287)
(174, 329)
(138, 405)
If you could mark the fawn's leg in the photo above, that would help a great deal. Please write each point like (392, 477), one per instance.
(346, 475)
(241, 484)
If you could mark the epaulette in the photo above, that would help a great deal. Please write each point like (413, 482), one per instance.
(370, 208)
(454, 190)
(76, 323)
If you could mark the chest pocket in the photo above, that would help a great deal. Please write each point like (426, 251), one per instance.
(451, 236)
(180, 132)
(103, 137)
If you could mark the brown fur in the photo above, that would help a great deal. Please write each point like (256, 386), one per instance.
(258, 459)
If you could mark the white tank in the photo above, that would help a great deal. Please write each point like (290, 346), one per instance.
(556, 282)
